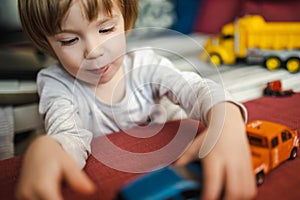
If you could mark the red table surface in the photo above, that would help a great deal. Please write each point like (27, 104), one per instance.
(281, 183)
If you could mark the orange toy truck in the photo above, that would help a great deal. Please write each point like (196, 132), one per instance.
(271, 144)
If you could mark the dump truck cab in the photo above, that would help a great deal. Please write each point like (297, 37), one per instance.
(220, 49)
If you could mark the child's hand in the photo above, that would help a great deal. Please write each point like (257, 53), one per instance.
(227, 168)
(45, 166)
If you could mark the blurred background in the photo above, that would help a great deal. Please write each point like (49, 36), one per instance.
(197, 19)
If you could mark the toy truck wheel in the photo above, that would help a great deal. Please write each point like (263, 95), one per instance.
(293, 65)
(272, 63)
(260, 177)
(215, 59)
(293, 154)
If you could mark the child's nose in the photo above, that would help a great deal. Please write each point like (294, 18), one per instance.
(94, 49)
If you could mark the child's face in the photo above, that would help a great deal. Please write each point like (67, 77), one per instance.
(91, 51)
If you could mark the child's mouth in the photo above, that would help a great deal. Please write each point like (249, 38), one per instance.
(101, 70)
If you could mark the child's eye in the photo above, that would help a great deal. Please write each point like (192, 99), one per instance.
(68, 42)
(106, 30)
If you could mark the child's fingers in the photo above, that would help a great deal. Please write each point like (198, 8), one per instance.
(213, 180)
(240, 183)
(48, 189)
(184, 159)
(78, 180)
(50, 193)
(192, 153)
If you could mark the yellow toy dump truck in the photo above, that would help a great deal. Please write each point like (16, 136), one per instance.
(253, 40)
(271, 144)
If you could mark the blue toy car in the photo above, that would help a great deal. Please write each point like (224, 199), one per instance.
(176, 183)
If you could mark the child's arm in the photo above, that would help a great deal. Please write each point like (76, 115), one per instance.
(45, 166)
(228, 165)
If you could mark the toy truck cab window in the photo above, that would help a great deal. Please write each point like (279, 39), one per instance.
(274, 142)
(257, 141)
(227, 37)
(285, 135)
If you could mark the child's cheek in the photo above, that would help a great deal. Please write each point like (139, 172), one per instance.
(117, 45)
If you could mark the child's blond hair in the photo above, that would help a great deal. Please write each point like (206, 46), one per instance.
(41, 18)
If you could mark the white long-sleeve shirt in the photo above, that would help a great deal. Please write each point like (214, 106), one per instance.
(73, 115)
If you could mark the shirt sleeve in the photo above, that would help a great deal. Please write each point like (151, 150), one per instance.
(195, 94)
(60, 112)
